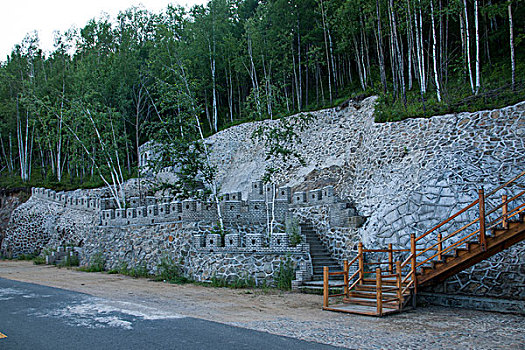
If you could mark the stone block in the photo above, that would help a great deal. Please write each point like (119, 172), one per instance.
(153, 210)
(164, 209)
(279, 241)
(315, 196)
(198, 240)
(232, 240)
(284, 194)
(176, 207)
(299, 198)
(213, 240)
(257, 190)
(328, 194)
(150, 200)
(254, 241)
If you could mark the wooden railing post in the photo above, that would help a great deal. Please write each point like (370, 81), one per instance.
(399, 277)
(482, 239)
(345, 269)
(413, 255)
(379, 292)
(390, 259)
(325, 286)
(440, 247)
(361, 262)
(505, 208)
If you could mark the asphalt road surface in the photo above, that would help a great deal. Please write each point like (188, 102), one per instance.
(40, 317)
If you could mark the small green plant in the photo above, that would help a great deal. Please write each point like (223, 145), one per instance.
(39, 260)
(69, 261)
(26, 256)
(96, 265)
(292, 228)
(169, 271)
(136, 272)
(285, 275)
(237, 283)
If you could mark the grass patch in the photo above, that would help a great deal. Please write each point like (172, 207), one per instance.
(96, 264)
(69, 261)
(237, 283)
(39, 260)
(169, 271)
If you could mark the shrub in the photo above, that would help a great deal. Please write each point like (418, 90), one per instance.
(96, 265)
(70, 261)
(169, 271)
(39, 260)
(285, 275)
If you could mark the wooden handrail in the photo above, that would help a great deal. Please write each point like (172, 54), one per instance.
(506, 216)
(505, 202)
(451, 246)
(448, 220)
(505, 184)
(422, 251)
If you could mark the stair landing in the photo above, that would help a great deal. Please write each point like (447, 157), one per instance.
(359, 309)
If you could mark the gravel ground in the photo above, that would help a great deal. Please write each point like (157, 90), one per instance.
(291, 314)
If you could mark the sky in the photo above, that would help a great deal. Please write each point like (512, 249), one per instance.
(19, 17)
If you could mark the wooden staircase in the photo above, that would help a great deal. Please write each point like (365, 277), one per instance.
(446, 249)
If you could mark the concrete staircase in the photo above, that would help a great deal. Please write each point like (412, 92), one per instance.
(320, 255)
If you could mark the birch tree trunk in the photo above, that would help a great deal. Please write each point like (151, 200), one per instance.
(478, 73)
(467, 32)
(434, 52)
(511, 40)
(323, 17)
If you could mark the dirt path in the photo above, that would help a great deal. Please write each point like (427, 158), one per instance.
(290, 314)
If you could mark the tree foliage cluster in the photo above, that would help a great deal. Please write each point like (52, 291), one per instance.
(82, 110)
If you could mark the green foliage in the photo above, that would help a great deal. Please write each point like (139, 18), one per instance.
(26, 256)
(70, 261)
(39, 260)
(169, 271)
(110, 86)
(136, 272)
(285, 275)
(293, 231)
(96, 264)
(236, 283)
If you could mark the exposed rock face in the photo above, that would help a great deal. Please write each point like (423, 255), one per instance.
(405, 177)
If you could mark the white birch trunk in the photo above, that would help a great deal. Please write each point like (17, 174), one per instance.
(467, 31)
(476, 22)
(511, 40)
(434, 52)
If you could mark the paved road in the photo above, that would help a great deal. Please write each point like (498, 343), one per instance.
(39, 317)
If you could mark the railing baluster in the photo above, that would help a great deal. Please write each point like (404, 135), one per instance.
(413, 254)
(505, 209)
(361, 262)
(440, 247)
(325, 286)
(482, 239)
(390, 259)
(399, 286)
(345, 269)
(379, 292)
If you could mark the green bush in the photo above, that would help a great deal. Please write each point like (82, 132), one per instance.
(285, 275)
(169, 271)
(96, 265)
(69, 261)
(237, 283)
(39, 260)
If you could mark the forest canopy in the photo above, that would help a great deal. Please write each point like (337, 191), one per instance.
(76, 116)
